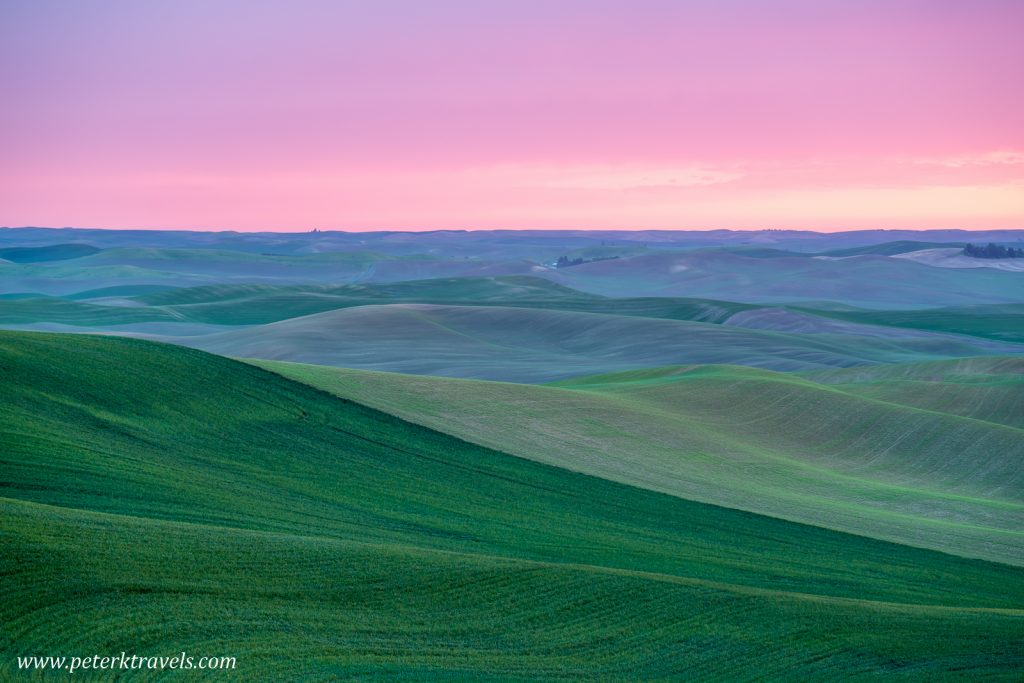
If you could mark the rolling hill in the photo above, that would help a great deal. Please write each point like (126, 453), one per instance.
(51, 252)
(1004, 322)
(761, 441)
(876, 270)
(890, 248)
(38, 309)
(232, 305)
(249, 304)
(535, 244)
(136, 266)
(989, 389)
(955, 258)
(147, 267)
(869, 281)
(181, 501)
(536, 345)
(480, 289)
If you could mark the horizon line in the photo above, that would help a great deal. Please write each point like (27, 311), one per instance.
(535, 230)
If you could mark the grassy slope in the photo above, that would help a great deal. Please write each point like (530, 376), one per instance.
(870, 281)
(118, 291)
(52, 252)
(189, 258)
(533, 345)
(442, 289)
(69, 277)
(79, 313)
(990, 389)
(260, 304)
(1003, 322)
(251, 304)
(889, 248)
(133, 266)
(127, 267)
(219, 266)
(159, 499)
(745, 438)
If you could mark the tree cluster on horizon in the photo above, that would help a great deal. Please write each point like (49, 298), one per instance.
(992, 250)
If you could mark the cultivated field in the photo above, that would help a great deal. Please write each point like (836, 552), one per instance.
(262, 518)
(515, 456)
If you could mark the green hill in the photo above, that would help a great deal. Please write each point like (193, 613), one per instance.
(889, 248)
(159, 499)
(1004, 322)
(68, 277)
(266, 304)
(134, 267)
(118, 291)
(520, 288)
(184, 259)
(51, 252)
(537, 345)
(869, 281)
(53, 309)
(257, 304)
(262, 303)
(761, 441)
(990, 389)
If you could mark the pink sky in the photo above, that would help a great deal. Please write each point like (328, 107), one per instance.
(472, 114)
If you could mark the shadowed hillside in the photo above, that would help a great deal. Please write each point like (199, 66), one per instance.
(53, 252)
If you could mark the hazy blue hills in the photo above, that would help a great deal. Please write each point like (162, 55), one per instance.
(535, 345)
(871, 281)
(303, 240)
(513, 328)
(996, 321)
(53, 252)
(877, 275)
(890, 248)
(164, 267)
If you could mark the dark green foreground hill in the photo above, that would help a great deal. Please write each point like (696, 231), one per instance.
(159, 499)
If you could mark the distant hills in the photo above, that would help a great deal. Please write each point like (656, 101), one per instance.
(762, 267)
(52, 252)
(531, 345)
(478, 241)
(515, 328)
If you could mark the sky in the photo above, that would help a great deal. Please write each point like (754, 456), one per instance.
(415, 115)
